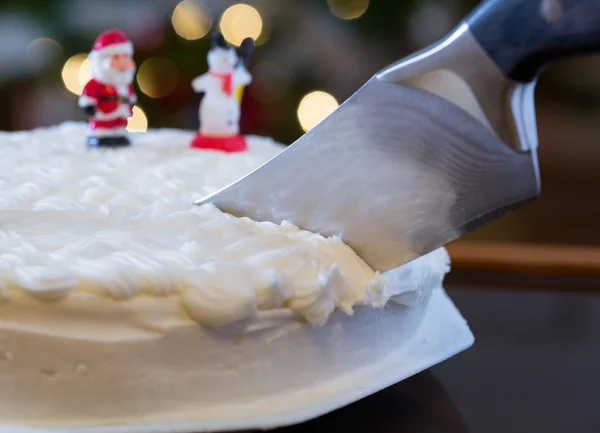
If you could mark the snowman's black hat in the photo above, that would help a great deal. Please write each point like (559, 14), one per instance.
(218, 41)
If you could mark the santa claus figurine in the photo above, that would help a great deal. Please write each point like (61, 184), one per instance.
(222, 86)
(109, 96)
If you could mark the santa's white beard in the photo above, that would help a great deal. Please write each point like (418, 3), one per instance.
(102, 72)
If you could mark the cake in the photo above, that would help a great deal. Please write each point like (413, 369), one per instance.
(121, 302)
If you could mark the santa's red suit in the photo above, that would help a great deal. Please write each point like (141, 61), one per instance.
(112, 107)
(108, 98)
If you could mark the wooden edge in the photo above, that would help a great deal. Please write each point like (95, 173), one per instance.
(525, 259)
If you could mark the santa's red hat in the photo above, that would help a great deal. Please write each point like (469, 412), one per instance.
(112, 42)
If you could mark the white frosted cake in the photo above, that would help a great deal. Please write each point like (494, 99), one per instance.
(121, 302)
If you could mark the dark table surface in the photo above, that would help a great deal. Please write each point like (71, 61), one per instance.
(535, 367)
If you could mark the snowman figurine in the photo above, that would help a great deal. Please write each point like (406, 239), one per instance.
(222, 87)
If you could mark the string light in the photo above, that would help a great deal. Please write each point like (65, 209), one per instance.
(240, 21)
(315, 107)
(348, 9)
(71, 73)
(158, 77)
(190, 20)
(138, 122)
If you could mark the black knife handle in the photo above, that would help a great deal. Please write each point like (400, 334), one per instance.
(523, 36)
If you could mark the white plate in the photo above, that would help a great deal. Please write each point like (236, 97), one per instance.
(444, 333)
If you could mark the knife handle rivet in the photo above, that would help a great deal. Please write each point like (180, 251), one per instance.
(551, 10)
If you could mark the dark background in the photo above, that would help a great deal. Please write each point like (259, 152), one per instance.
(303, 47)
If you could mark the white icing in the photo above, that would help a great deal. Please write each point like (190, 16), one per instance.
(219, 293)
(80, 229)
(121, 224)
(44, 282)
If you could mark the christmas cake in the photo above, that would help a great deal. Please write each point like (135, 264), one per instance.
(120, 301)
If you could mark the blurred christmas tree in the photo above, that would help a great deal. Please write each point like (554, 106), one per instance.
(303, 46)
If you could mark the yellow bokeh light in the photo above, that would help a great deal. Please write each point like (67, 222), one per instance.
(240, 21)
(84, 74)
(138, 122)
(348, 9)
(190, 20)
(71, 73)
(315, 107)
(158, 77)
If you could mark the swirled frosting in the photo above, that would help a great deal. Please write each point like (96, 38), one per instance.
(121, 224)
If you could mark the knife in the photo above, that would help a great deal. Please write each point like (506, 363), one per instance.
(429, 148)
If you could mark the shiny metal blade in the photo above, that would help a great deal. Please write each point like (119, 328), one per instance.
(395, 171)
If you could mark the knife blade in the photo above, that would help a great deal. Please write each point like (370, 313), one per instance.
(431, 147)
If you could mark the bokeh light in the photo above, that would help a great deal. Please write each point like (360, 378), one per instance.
(241, 21)
(71, 73)
(348, 9)
(190, 20)
(138, 122)
(158, 77)
(42, 51)
(85, 73)
(315, 107)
